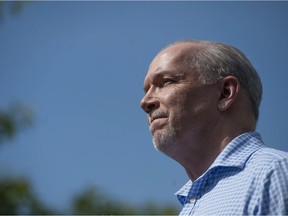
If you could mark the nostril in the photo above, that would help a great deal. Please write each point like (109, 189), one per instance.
(149, 103)
(147, 106)
(151, 107)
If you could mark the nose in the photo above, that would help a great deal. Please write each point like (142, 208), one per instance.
(149, 103)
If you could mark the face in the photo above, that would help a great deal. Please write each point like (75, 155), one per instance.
(179, 107)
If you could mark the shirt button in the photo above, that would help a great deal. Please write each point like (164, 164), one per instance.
(192, 200)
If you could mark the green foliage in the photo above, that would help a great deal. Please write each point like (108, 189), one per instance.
(17, 197)
(16, 118)
(7, 126)
(91, 201)
(153, 209)
(12, 7)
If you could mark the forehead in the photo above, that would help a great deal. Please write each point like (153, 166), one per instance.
(172, 59)
(171, 55)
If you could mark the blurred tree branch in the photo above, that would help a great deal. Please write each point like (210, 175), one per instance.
(92, 201)
(12, 7)
(16, 118)
(17, 197)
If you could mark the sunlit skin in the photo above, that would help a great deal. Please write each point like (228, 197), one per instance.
(189, 121)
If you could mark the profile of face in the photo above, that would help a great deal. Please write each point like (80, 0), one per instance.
(178, 106)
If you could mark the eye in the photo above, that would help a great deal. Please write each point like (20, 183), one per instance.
(166, 82)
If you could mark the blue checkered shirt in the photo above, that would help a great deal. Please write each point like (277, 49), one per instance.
(246, 178)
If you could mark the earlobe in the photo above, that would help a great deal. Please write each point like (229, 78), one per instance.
(229, 89)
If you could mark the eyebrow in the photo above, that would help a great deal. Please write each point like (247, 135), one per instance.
(163, 73)
(172, 73)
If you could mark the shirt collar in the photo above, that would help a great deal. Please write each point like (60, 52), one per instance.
(238, 151)
(235, 154)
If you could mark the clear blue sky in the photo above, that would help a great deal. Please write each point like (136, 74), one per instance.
(80, 66)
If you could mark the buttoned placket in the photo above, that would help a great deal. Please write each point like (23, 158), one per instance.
(195, 193)
(192, 197)
(189, 206)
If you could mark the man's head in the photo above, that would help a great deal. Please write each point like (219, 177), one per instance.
(216, 60)
(189, 87)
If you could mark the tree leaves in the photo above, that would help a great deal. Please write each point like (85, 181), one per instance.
(17, 117)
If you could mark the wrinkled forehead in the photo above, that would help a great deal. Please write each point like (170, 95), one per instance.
(161, 61)
(178, 54)
(170, 55)
(172, 61)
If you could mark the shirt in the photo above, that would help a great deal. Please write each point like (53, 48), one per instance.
(246, 178)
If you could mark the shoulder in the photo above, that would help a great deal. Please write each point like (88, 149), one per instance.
(269, 168)
(266, 160)
(269, 156)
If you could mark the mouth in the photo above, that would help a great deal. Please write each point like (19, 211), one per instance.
(156, 116)
(157, 123)
(152, 119)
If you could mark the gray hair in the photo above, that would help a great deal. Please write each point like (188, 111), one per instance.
(214, 61)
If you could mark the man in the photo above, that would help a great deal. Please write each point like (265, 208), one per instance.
(202, 101)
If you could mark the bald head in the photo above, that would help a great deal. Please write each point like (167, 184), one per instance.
(213, 61)
(179, 53)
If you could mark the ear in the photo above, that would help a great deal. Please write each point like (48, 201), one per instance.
(229, 88)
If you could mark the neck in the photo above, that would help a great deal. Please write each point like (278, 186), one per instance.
(197, 155)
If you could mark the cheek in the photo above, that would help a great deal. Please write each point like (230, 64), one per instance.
(202, 111)
(194, 107)
(179, 109)
(175, 102)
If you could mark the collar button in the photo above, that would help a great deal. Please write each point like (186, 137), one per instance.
(192, 200)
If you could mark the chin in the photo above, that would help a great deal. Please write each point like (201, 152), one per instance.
(163, 141)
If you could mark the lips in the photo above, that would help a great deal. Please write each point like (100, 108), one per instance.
(154, 116)
(157, 123)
